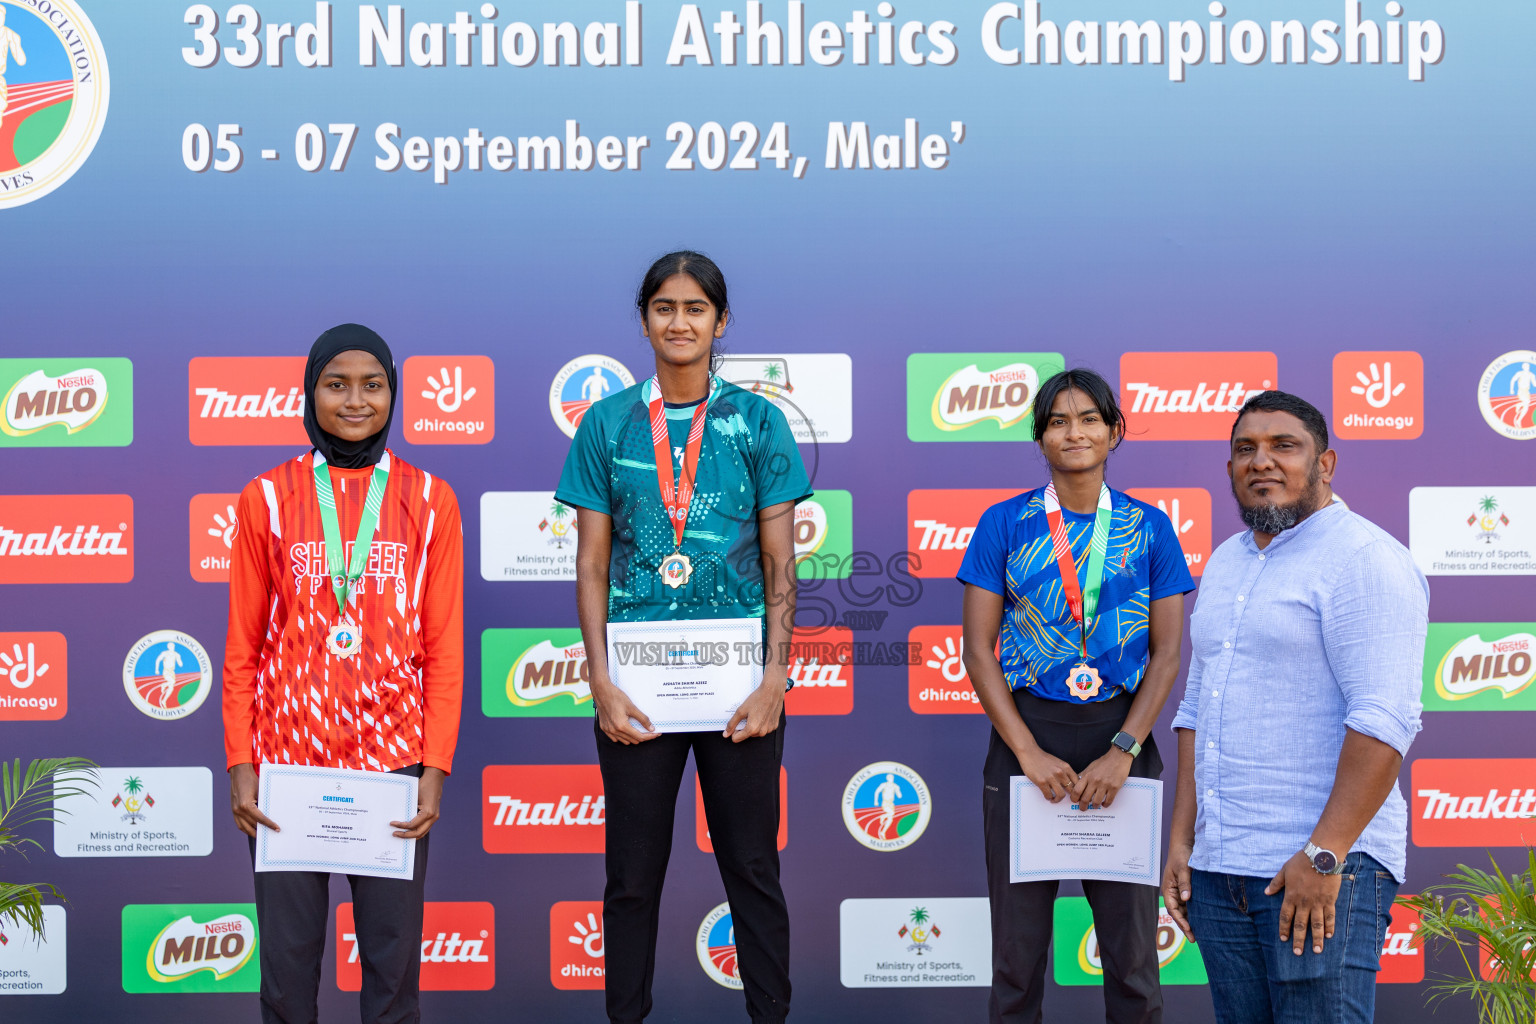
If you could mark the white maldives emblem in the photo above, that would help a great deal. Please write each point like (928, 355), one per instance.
(185, 946)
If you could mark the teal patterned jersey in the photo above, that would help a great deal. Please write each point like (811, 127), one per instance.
(1011, 554)
(748, 461)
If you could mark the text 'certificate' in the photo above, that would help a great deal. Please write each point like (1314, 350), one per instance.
(1119, 843)
(335, 819)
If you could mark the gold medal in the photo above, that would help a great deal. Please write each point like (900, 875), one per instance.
(345, 639)
(1083, 681)
(675, 569)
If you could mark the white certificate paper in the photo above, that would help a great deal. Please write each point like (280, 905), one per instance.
(335, 819)
(687, 675)
(1119, 843)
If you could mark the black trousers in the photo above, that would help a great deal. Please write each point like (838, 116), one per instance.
(740, 783)
(1124, 914)
(292, 908)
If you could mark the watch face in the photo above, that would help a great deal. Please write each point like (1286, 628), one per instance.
(1325, 861)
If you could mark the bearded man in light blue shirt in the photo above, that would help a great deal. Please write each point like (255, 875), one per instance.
(1289, 832)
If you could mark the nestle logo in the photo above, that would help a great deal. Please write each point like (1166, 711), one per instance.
(542, 808)
(246, 400)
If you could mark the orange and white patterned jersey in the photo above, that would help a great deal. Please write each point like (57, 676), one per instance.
(395, 702)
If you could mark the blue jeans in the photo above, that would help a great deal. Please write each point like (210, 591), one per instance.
(1256, 978)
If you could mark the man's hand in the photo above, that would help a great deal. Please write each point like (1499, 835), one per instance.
(1053, 776)
(243, 787)
(1309, 902)
(1097, 786)
(1176, 887)
(760, 712)
(614, 710)
(429, 802)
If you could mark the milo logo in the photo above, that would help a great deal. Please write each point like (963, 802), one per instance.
(534, 673)
(974, 396)
(1078, 960)
(970, 395)
(1480, 666)
(66, 402)
(1170, 943)
(199, 947)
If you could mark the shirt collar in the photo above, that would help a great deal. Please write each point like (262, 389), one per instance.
(1324, 515)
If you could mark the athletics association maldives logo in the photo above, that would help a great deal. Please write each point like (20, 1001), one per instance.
(716, 945)
(582, 381)
(886, 806)
(167, 674)
(1507, 394)
(53, 96)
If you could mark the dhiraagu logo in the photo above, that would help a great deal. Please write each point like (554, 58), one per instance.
(193, 947)
(1079, 962)
(66, 403)
(534, 673)
(975, 396)
(1480, 666)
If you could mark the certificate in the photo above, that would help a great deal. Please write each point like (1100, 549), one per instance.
(687, 675)
(1119, 843)
(334, 819)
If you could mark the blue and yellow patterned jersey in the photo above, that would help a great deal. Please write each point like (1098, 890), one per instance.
(1011, 554)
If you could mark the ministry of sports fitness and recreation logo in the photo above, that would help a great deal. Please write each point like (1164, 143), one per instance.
(886, 806)
(716, 946)
(66, 403)
(133, 801)
(167, 674)
(54, 89)
(34, 965)
(1506, 394)
(814, 391)
(581, 382)
(974, 396)
(198, 947)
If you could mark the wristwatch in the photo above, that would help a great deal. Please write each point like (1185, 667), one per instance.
(1324, 862)
(1126, 742)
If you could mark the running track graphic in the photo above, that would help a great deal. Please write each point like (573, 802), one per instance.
(21, 102)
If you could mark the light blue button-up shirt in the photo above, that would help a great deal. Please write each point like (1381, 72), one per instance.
(1320, 631)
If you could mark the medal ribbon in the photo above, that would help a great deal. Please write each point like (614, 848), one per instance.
(677, 497)
(1084, 606)
(342, 578)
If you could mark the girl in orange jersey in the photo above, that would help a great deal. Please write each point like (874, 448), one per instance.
(359, 668)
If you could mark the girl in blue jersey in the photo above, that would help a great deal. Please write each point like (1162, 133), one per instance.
(1086, 587)
(708, 536)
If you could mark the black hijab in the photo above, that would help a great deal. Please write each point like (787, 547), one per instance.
(347, 338)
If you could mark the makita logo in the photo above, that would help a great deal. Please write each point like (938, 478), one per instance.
(821, 665)
(940, 525)
(1402, 960)
(1474, 801)
(1514, 804)
(458, 947)
(809, 673)
(511, 811)
(258, 400)
(219, 404)
(1201, 398)
(73, 400)
(1190, 396)
(444, 949)
(542, 808)
(83, 540)
(66, 538)
(939, 536)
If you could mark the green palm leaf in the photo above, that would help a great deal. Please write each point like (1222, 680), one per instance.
(32, 797)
